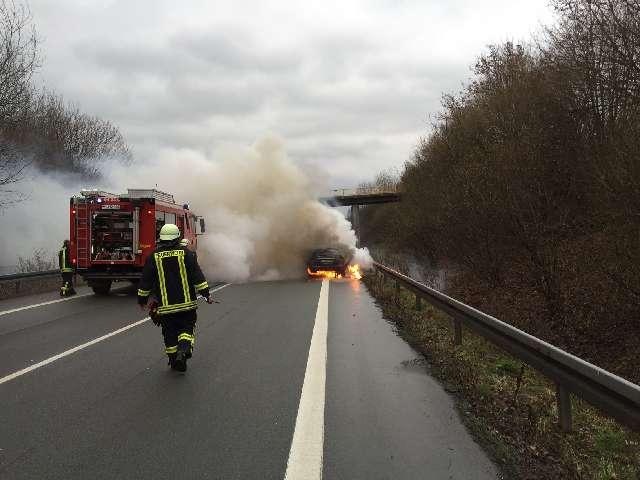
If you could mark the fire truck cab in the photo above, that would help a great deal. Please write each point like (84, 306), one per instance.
(112, 235)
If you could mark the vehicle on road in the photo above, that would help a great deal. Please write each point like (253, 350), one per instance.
(112, 235)
(328, 262)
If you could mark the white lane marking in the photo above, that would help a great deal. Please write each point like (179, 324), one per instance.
(219, 288)
(214, 290)
(27, 307)
(80, 347)
(307, 447)
(69, 352)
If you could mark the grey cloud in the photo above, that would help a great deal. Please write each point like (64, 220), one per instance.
(235, 52)
(350, 93)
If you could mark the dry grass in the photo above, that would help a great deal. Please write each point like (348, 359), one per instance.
(509, 407)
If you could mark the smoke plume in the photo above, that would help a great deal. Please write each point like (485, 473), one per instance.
(262, 213)
(37, 220)
(261, 209)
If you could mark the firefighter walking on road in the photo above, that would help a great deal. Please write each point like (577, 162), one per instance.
(173, 278)
(66, 270)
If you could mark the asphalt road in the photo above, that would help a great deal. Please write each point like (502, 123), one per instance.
(283, 378)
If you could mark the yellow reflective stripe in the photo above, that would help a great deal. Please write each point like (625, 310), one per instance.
(201, 286)
(144, 293)
(163, 285)
(171, 349)
(64, 268)
(185, 336)
(177, 310)
(177, 307)
(168, 307)
(183, 274)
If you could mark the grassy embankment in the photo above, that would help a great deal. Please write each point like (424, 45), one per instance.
(509, 407)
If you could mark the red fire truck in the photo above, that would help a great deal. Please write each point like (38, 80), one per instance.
(112, 235)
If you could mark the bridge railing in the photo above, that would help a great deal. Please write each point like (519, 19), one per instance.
(344, 192)
(610, 393)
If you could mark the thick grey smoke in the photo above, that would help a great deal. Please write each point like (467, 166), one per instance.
(263, 217)
(39, 221)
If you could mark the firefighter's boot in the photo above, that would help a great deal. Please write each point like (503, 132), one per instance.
(172, 359)
(180, 362)
(185, 343)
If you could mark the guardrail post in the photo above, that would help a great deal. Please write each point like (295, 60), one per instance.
(380, 281)
(572, 376)
(563, 398)
(457, 332)
(418, 302)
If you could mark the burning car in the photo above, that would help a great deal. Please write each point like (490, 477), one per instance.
(326, 261)
(331, 263)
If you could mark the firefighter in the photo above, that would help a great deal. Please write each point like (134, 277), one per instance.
(173, 276)
(66, 270)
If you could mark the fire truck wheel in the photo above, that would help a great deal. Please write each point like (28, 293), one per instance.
(101, 288)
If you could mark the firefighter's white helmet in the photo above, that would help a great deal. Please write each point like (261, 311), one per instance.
(169, 232)
(184, 242)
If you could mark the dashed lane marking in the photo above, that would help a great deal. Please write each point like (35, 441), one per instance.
(49, 360)
(27, 307)
(66, 353)
(307, 447)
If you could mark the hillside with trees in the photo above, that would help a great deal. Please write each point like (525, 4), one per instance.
(527, 187)
(38, 129)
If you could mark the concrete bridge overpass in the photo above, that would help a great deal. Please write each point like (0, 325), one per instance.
(349, 197)
(355, 197)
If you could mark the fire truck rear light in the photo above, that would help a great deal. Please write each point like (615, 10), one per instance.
(73, 211)
(149, 212)
(73, 260)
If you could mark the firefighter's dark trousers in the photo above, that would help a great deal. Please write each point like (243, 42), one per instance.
(177, 330)
(67, 284)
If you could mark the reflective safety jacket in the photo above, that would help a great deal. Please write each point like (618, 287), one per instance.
(173, 276)
(64, 262)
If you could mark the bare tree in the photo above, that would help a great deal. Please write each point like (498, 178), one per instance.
(18, 61)
(40, 129)
(72, 141)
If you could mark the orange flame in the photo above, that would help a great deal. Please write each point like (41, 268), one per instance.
(353, 271)
(324, 274)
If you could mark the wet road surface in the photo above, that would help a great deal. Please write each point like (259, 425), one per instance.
(288, 379)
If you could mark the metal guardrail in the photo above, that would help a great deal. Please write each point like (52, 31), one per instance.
(18, 276)
(613, 395)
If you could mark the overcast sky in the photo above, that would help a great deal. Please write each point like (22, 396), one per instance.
(349, 85)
